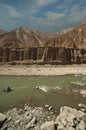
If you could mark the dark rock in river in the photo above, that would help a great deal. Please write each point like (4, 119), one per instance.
(8, 89)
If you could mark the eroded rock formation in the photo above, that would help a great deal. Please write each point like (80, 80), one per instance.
(26, 46)
(52, 55)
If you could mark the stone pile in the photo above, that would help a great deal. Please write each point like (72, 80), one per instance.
(37, 118)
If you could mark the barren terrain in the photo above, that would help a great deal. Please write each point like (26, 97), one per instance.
(47, 70)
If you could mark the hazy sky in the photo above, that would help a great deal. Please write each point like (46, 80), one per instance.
(42, 15)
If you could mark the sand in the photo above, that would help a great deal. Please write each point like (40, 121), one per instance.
(46, 70)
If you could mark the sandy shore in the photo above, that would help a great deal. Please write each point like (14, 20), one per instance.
(46, 70)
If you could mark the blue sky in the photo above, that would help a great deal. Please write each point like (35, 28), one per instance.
(42, 15)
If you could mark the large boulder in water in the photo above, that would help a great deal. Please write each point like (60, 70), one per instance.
(8, 89)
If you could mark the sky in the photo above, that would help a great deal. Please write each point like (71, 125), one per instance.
(42, 15)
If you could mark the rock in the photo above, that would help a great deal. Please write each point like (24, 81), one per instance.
(31, 123)
(17, 121)
(66, 117)
(29, 118)
(9, 119)
(34, 120)
(83, 110)
(69, 128)
(81, 105)
(83, 92)
(81, 126)
(46, 106)
(38, 118)
(3, 118)
(50, 108)
(61, 127)
(48, 126)
(8, 89)
(37, 87)
(69, 117)
(5, 127)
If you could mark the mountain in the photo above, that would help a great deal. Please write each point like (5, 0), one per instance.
(75, 38)
(24, 37)
(27, 46)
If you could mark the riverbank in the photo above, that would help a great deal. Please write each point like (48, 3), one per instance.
(42, 110)
(43, 70)
(37, 118)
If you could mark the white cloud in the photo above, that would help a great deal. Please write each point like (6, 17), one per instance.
(53, 15)
(49, 22)
(10, 10)
(61, 15)
(77, 14)
(49, 17)
(45, 2)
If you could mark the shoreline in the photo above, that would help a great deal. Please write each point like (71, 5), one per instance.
(38, 117)
(43, 70)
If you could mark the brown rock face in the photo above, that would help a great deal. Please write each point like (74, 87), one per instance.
(76, 38)
(24, 46)
(43, 55)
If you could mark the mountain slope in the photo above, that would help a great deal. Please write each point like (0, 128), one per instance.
(75, 38)
(22, 38)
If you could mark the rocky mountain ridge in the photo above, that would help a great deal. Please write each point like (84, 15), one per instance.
(27, 46)
(75, 38)
(23, 37)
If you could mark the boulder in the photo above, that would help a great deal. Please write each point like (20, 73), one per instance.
(31, 123)
(81, 126)
(48, 126)
(8, 89)
(69, 117)
(3, 118)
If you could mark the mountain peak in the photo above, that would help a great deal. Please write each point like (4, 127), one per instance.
(23, 37)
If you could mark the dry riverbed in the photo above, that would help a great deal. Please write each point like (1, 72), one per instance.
(45, 70)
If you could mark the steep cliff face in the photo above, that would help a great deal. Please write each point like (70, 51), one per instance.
(25, 46)
(43, 55)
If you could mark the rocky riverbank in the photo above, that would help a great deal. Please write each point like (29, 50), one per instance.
(38, 118)
(42, 70)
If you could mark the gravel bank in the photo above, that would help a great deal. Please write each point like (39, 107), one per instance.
(46, 70)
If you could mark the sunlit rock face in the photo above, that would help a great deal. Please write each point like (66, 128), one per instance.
(32, 47)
